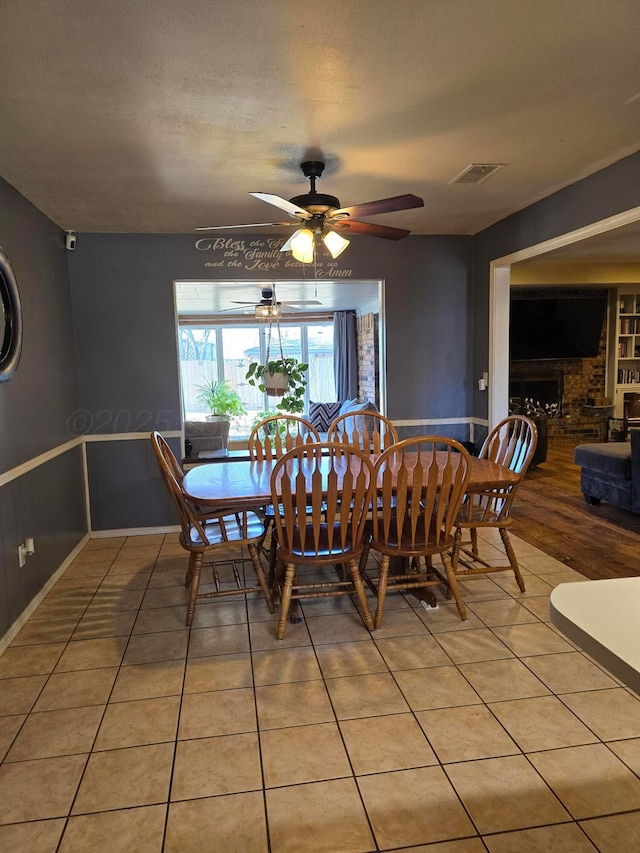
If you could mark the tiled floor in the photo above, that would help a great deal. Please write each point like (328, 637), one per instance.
(121, 730)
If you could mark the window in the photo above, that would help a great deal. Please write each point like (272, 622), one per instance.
(215, 353)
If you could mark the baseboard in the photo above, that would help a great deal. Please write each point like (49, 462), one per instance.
(134, 531)
(37, 599)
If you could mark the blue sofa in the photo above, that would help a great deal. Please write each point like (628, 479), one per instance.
(611, 472)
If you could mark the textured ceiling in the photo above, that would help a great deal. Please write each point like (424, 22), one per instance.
(157, 116)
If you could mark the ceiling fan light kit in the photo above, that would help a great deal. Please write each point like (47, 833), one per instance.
(317, 216)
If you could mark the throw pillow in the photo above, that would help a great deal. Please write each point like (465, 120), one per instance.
(322, 414)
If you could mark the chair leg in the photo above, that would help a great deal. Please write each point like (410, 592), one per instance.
(285, 601)
(513, 560)
(262, 580)
(195, 564)
(455, 551)
(358, 585)
(273, 550)
(382, 589)
(453, 585)
(474, 542)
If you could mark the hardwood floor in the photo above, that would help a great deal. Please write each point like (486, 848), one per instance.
(550, 512)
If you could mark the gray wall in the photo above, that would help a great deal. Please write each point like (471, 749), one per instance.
(122, 293)
(36, 405)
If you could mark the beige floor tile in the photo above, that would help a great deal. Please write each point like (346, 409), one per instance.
(149, 680)
(534, 585)
(37, 631)
(138, 723)
(159, 619)
(97, 569)
(399, 623)
(505, 793)
(35, 790)
(446, 618)
(589, 780)
(465, 733)
(41, 836)
(537, 639)
(345, 628)
(303, 754)
(220, 672)
(222, 712)
(611, 714)
(212, 824)
(170, 596)
(223, 613)
(355, 696)
(63, 606)
(297, 703)
(541, 723)
(207, 767)
(29, 660)
(413, 807)
(565, 837)
(124, 583)
(471, 646)
(629, 752)
(150, 648)
(18, 695)
(502, 679)
(76, 689)
(538, 605)
(263, 635)
(412, 652)
(347, 830)
(359, 658)
(167, 577)
(9, 728)
(129, 564)
(480, 588)
(219, 640)
(566, 576)
(94, 625)
(75, 586)
(284, 665)
(340, 604)
(615, 833)
(461, 845)
(382, 744)
(439, 687)
(52, 733)
(122, 778)
(116, 600)
(568, 673)
(92, 654)
(123, 831)
(111, 543)
(167, 562)
(504, 611)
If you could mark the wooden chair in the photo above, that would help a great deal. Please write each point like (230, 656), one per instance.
(212, 534)
(322, 492)
(371, 431)
(511, 443)
(421, 484)
(270, 439)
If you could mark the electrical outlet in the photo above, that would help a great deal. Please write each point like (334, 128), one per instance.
(22, 555)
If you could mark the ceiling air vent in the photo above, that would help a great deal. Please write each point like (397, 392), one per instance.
(477, 173)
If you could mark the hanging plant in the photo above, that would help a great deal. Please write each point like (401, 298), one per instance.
(281, 377)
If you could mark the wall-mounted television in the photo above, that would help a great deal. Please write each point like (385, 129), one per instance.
(556, 327)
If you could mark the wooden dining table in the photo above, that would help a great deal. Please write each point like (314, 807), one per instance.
(242, 484)
(245, 485)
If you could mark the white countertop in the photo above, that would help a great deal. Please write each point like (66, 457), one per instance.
(603, 618)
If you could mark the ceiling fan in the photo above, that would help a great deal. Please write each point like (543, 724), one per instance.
(322, 218)
(269, 308)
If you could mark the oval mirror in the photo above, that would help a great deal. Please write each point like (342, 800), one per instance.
(10, 320)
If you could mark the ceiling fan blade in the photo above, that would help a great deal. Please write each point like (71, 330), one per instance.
(230, 227)
(370, 229)
(382, 205)
(283, 204)
(236, 302)
(302, 302)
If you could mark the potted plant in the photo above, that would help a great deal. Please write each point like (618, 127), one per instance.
(221, 399)
(281, 377)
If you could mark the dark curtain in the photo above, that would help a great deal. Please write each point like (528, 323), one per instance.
(345, 355)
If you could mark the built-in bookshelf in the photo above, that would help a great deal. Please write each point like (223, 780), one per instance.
(627, 368)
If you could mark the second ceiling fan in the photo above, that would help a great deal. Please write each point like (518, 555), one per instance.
(320, 217)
